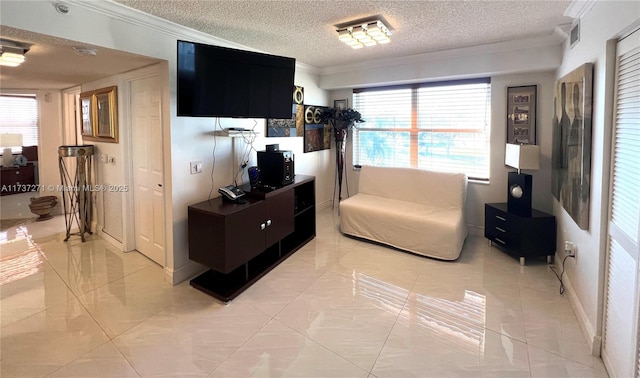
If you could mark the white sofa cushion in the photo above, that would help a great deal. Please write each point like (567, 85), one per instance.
(414, 210)
(439, 189)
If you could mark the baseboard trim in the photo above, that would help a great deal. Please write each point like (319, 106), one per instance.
(593, 340)
(185, 272)
(110, 239)
(323, 205)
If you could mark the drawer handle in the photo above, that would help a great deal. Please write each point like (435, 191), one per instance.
(500, 229)
(17, 172)
(501, 241)
(268, 222)
(262, 226)
(501, 218)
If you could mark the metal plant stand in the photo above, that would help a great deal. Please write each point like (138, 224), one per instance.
(76, 189)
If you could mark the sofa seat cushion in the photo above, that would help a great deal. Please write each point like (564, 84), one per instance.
(410, 226)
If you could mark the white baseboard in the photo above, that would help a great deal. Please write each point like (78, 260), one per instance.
(110, 239)
(185, 272)
(323, 205)
(593, 340)
(475, 230)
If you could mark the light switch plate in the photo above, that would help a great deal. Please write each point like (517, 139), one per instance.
(196, 166)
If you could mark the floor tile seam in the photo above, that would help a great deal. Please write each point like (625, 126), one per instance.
(324, 346)
(77, 295)
(393, 326)
(555, 353)
(298, 295)
(241, 345)
(146, 318)
(115, 280)
(92, 350)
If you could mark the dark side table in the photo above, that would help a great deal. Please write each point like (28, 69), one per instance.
(520, 236)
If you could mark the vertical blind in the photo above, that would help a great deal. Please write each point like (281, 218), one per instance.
(436, 126)
(19, 115)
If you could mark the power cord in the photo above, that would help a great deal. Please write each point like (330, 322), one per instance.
(553, 268)
(215, 143)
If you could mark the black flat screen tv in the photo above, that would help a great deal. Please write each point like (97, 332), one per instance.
(216, 81)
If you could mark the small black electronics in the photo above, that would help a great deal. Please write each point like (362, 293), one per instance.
(254, 176)
(232, 193)
(519, 194)
(276, 168)
(272, 147)
(214, 81)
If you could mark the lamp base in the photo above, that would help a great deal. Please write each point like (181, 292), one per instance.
(7, 157)
(519, 196)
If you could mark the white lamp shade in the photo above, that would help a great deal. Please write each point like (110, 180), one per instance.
(10, 140)
(522, 156)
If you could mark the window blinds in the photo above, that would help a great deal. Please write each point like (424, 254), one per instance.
(435, 126)
(19, 115)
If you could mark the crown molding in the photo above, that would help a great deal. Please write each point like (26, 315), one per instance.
(555, 38)
(578, 8)
(132, 16)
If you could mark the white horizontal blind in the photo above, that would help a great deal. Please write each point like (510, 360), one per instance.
(19, 115)
(436, 126)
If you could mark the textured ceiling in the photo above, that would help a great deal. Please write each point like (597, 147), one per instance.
(305, 29)
(301, 29)
(52, 63)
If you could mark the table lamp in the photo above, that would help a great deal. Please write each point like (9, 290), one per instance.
(7, 141)
(519, 187)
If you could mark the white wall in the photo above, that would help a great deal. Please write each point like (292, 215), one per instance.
(496, 190)
(605, 21)
(110, 25)
(50, 139)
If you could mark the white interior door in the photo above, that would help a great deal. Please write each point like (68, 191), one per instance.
(148, 172)
(620, 350)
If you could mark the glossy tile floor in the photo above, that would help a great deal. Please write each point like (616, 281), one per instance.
(337, 308)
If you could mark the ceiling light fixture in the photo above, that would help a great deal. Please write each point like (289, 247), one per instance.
(85, 51)
(11, 55)
(364, 34)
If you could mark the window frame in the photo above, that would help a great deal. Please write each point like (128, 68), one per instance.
(414, 130)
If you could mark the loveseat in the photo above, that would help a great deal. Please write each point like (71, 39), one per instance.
(414, 210)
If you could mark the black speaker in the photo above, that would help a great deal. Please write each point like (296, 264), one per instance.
(519, 196)
(276, 168)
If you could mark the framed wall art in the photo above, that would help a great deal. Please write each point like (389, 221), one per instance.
(571, 143)
(289, 127)
(316, 134)
(99, 112)
(341, 104)
(521, 114)
(87, 116)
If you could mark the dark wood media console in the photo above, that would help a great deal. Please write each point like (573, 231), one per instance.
(242, 242)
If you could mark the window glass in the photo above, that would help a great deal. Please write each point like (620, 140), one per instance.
(19, 115)
(440, 127)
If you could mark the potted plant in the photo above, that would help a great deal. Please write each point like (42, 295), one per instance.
(341, 121)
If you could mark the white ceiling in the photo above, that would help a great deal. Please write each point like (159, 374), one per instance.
(301, 29)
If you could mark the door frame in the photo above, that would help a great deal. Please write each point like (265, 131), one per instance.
(128, 216)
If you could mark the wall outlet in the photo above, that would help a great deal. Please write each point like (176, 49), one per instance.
(196, 167)
(570, 248)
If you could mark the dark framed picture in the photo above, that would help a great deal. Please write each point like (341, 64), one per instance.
(521, 114)
(340, 104)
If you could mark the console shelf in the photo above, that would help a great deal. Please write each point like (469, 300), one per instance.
(240, 243)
